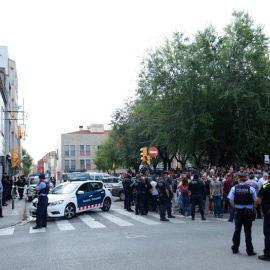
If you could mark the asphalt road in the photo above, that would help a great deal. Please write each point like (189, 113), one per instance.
(119, 241)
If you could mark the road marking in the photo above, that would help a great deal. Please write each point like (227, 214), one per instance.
(64, 225)
(91, 222)
(42, 230)
(221, 219)
(172, 220)
(114, 219)
(135, 236)
(138, 218)
(8, 231)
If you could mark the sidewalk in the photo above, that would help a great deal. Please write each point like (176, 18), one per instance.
(13, 216)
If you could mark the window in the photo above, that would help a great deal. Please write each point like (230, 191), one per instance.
(72, 150)
(82, 164)
(72, 164)
(81, 150)
(95, 186)
(66, 164)
(88, 164)
(66, 150)
(84, 187)
(87, 148)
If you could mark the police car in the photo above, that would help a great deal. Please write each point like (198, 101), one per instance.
(70, 198)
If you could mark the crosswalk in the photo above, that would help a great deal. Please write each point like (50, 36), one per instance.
(103, 220)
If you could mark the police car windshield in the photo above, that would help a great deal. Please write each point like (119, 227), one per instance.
(77, 176)
(65, 189)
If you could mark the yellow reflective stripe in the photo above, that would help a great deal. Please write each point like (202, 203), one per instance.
(265, 185)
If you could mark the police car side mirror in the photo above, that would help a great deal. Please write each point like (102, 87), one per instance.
(80, 192)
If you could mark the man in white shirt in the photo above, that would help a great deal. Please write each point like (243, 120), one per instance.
(263, 180)
(154, 191)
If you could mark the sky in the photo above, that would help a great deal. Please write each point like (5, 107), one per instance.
(77, 61)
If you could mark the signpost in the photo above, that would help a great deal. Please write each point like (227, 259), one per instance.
(153, 152)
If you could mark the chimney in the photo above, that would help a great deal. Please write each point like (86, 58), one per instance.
(80, 127)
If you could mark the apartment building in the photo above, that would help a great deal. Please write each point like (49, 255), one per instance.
(9, 110)
(76, 150)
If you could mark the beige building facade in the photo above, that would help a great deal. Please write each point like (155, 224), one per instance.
(76, 150)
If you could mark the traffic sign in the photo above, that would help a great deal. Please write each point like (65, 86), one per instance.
(153, 152)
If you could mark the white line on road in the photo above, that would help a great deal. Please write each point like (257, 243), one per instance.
(64, 225)
(42, 230)
(115, 219)
(138, 218)
(91, 222)
(8, 231)
(172, 220)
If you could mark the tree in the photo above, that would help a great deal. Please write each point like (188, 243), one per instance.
(206, 98)
(27, 161)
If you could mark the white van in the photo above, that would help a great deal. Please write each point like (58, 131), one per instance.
(98, 176)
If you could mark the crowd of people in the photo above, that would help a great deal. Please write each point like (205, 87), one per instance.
(243, 193)
(214, 186)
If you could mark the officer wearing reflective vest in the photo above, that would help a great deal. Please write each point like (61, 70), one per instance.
(140, 188)
(163, 192)
(263, 197)
(42, 190)
(242, 198)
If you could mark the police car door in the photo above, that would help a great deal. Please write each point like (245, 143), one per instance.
(97, 194)
(83, 197)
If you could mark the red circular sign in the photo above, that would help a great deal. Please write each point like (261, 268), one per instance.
(153, 152)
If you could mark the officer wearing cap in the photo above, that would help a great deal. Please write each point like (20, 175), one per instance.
(263, 197)
(163, 192)
(128, 187)
(42, 190)
(242, 198)
(140, 188)
(196, 188)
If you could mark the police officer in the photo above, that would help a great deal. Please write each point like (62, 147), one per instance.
(20, 184)
(242, 198)
(140, 188)
(128, 187)
(169, 204)
(42, 191)
(197, 190)
(163, 193)
(263, 197)
(148, 194)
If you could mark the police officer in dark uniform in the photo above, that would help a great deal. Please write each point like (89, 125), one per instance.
(263, 197)
(197, 190)
(242, 198)
(169, 204)
(128, 191)
(42, 191)
(148, 194)
(140, 189)
(163, 193)
(20, 184)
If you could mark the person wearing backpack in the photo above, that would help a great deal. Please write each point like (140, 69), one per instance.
(185, 193)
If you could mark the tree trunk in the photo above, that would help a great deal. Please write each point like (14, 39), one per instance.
(213, 154)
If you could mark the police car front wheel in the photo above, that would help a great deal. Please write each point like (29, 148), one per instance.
(106, 205)
(69, 211)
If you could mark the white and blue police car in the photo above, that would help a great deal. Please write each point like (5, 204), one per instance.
(70, 198)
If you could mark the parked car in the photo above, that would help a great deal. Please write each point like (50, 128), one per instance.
(117, 190)
(70, 198)
(110, 181)
(31, 189)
